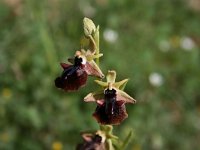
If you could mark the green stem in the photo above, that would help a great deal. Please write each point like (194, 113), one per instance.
(96, 39)
(107, 129)
(94, 44)
(109, 145)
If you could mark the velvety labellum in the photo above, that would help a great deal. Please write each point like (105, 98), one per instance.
(111, 111)
(73, 77)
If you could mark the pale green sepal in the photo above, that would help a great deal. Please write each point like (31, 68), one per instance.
(95, 66)
(101, 83)
(93, 97)
(92, 57)
(121, 84)
(111, 76)
(121, 95)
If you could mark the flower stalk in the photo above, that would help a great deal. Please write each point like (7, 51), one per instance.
(92, 33)
(111, 100)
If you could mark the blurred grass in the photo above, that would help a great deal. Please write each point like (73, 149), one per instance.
(36, 36)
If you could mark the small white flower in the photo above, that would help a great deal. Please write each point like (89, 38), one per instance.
(164, 46)
(187, 43)
(110, 35)
(156, 79)
(157, 141)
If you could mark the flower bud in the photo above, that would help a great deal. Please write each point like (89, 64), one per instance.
(88, 26)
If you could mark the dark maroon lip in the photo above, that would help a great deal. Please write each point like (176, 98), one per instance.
(111, 111)
(69, 71)
(118, 115)
(73, 76)
(59, 83)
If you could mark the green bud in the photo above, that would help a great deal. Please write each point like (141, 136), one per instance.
(88, 26)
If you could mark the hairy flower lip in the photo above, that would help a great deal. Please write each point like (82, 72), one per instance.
(74, 76)
(110, 110)
(114, 119)
(110, 100)
(118, 116)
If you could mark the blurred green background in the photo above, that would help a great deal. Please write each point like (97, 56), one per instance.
(155, 43)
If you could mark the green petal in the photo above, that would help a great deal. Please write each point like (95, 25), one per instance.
(121, 84)
(84, 42)
(83, 52)
(111, 76)
(92, 57)
(101, 83)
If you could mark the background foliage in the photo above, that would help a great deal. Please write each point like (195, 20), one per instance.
(154, 43)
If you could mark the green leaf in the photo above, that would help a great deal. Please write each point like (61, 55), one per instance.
(127, 140)
(96, 39)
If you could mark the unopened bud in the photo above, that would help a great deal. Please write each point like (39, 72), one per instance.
(89, 26)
